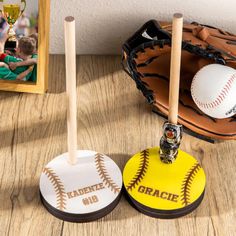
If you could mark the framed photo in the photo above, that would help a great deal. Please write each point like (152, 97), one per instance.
(24, 40)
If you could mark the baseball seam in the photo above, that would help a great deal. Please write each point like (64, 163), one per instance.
(100, 166)
(186, 186)
(58, 187)
(219, 99)
(144, 161)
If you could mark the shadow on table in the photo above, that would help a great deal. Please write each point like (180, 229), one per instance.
(89, 68)
(5, 95)
(19, 197)
(56, 126)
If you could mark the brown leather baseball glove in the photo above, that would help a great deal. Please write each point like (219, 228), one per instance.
(146, 58)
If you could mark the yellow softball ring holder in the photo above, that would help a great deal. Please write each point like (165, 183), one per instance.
(164, 190)
(166, 182)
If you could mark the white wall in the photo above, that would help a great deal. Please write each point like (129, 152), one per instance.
(103, 25)
(31, 7)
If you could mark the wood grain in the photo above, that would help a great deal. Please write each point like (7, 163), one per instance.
(113, 119)
(176, 45)
(70, 51)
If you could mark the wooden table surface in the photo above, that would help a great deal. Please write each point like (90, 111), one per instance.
(113, 118)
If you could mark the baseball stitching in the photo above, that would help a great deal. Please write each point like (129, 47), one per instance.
(58, 187)
(144, 161)
(186, 186)
(100, 165)
(220, 98)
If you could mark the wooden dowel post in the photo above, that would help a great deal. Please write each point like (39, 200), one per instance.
(177, 30)
(70, 51)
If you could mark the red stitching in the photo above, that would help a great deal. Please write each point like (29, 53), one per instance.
(220, 97)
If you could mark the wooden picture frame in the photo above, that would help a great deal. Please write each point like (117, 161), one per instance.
(41, 85)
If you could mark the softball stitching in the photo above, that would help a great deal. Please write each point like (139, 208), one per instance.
(144, 161)
(186, 186)
(58, 187)
(222, 95)
(100, 166)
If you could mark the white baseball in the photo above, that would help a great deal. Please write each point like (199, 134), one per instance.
(213, 90)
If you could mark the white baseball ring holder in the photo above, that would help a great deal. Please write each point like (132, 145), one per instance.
(81, 185)
(82, 192)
